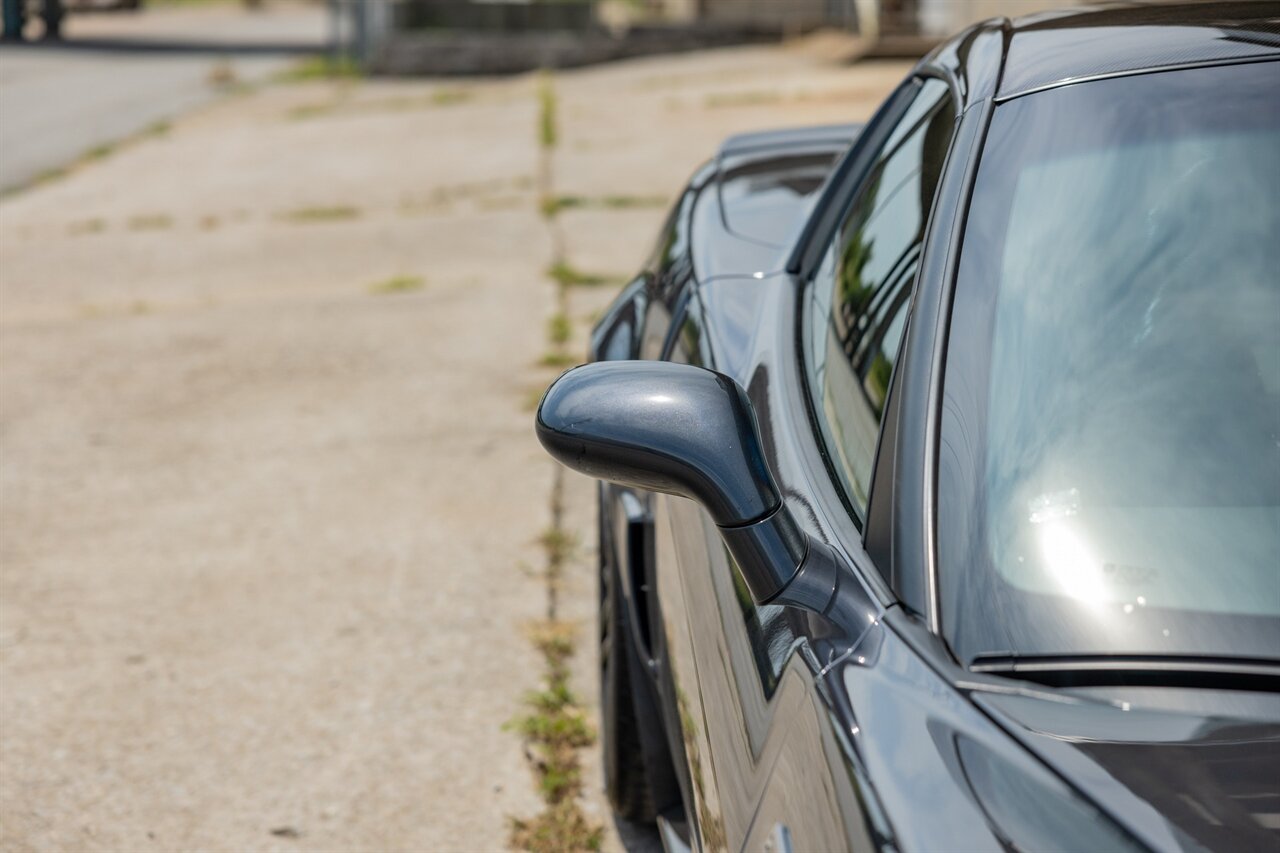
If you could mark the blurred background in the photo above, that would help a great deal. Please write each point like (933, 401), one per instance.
(282, 565)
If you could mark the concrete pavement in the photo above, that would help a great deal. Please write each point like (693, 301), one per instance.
(270, 499)
(115, 75)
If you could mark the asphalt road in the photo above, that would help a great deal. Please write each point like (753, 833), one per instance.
(114, 75)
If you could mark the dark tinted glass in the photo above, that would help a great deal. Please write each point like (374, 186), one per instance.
(1109, 474)
(861, 292)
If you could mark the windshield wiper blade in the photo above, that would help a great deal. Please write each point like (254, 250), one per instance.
(1206, 673)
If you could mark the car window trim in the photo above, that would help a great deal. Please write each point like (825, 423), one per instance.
(849, 176)
(875, 537)
(886, 568)
(913, 494)
(1006, 97)
(872, 163)
(853, 169)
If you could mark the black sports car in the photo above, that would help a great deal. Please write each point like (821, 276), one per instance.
(943, 459)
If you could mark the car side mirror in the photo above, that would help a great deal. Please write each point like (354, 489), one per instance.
(684, 431)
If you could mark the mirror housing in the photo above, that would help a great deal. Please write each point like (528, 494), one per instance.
(684, 431)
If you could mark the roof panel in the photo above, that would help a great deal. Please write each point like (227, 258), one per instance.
(1048, 50)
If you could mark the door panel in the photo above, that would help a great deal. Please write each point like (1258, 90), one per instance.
(762, 746)
(727, 657)
(758, 725)
(723, 696)
(681, 608)
(809, 787)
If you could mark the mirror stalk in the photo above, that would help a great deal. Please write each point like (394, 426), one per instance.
(685, 431)
(769, 553)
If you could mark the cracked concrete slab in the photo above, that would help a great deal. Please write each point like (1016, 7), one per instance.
(267, 537)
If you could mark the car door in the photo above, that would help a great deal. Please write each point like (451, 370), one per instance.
(857, 307)
(714, 633)
(758, 738)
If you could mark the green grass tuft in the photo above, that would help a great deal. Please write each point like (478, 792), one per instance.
(449, 97)
(99, 152)
(50, 175)
(547, 135)
(553, 731)
(398, 284)
(330, 213)
(562, 828)
(150, 222)
(552, 205)
(308, 111)
(87, 226)
(566, 275)
(741, 99)
(559, 329)
(557, 359)
(627, 202)
(322, 68)
(558, 544)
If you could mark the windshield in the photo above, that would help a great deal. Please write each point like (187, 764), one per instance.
(1109, 466)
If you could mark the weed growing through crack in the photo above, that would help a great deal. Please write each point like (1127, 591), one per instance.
(99, 152)
(398, 284)
(547, 136)
(557, 359)
(307, 111)
(741, 99)
(553, 730)
(566, 274)
(559, 545)
(559, 329)
(562, 827)
(92, 155)
(554, 727)
(507, 202)
(321, 68)
(330, 213)
(626, 202)
(451, 96)
(48, 176)
(151, 222)
(87, 226)
(552, 205)
(341, 101)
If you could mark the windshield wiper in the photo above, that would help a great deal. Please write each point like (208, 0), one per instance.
(1206, 673)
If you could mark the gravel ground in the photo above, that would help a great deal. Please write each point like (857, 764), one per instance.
(268, 524)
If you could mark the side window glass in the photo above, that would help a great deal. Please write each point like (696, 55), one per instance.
(657, 323)
(862, 290)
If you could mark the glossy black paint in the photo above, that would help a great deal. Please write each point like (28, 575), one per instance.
(761, 187)
(1052, 49)
(684, 431)
(664, 427)
(833, 714)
